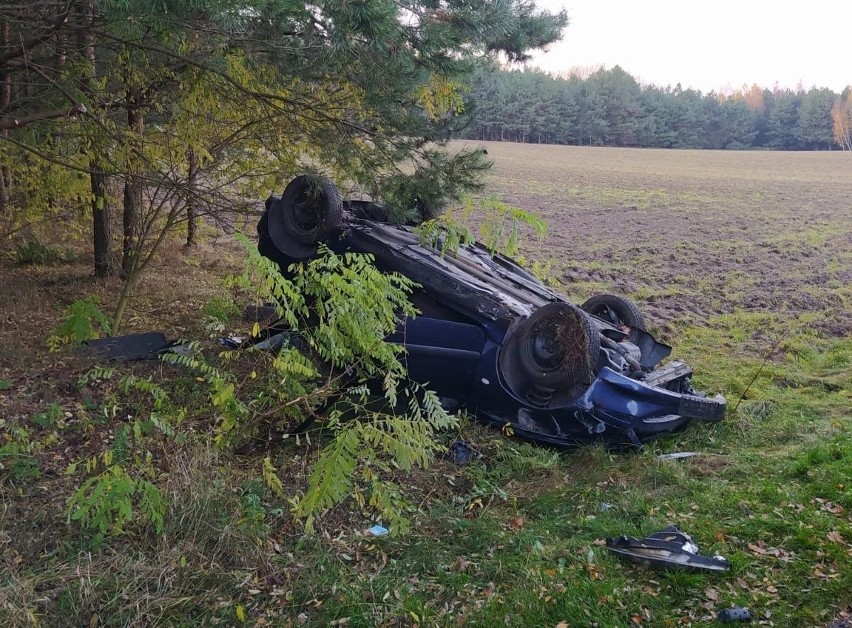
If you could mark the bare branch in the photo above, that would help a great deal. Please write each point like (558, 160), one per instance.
(18, 123)
(20, 50)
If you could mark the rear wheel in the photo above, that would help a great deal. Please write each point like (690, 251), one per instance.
(308, 211)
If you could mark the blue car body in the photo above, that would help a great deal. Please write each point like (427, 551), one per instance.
(491, 337)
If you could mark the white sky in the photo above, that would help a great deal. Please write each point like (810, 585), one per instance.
(710, 45)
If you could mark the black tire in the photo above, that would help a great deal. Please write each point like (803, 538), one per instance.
(619, 311)
(548, 358)
(367, 210)
(309, 210)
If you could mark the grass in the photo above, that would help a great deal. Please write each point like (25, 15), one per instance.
(742, 261)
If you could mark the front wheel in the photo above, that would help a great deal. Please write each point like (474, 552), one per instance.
(619, 311)
(548, 358)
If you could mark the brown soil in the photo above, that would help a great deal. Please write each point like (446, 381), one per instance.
(691, 234)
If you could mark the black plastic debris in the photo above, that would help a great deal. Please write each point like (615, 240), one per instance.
(460, 452)
(670, 548)
(144, 346)
(274, 342)
(232, 342)
(736, 613)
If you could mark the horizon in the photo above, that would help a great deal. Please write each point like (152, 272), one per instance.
(585, 71)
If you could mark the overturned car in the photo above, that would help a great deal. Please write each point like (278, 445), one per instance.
(494, 339)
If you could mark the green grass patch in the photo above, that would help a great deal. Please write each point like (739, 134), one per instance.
(739, 264)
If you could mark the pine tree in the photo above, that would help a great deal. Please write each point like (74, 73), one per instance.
(816, 128)
(257, 90)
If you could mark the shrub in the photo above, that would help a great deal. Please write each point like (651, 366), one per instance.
(221, 309)
(106, 502)
(18, 462)
(83, 321)
(33, 252)
(335, 362)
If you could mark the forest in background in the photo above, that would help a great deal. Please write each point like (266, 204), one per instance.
(608, 107)
(162, 114)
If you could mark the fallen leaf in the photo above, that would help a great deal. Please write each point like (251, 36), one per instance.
(460, 564)
(474, 504)
(757, 549)
(835, 537)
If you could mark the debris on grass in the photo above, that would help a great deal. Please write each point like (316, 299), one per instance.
(678, 455)
(378, 530)
(670, 548)
(736, 613)
(460, 452)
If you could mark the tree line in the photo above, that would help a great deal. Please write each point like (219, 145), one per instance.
(608, 107)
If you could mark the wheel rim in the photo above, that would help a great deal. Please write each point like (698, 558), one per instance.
(547, 359)
(306, 216)
(542, 348)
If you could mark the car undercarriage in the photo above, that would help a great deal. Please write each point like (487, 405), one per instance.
(492, 338)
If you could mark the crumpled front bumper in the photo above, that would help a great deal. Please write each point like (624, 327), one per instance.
(639, 409)
(614, 409)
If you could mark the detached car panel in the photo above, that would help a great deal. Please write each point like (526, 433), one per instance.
(492, 337)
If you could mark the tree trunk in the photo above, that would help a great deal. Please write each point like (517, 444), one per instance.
(132, 189)
(100, 224)
(191, 199)
(100, 208)
(5, 101)
(130, 222)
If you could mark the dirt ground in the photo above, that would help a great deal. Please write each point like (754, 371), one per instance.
(691, 234)
(34, 301)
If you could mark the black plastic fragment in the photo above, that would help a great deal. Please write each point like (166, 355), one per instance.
(261, 313)
(460, 452)
(144, 346)
(670, 548)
